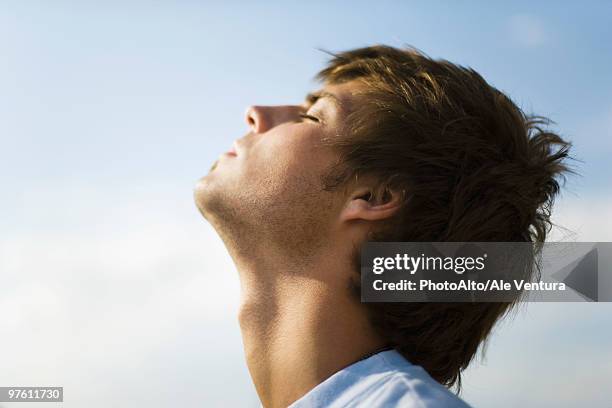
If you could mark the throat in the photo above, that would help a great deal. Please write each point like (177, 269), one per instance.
(299, 333)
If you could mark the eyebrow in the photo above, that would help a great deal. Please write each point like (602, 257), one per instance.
(313, 97)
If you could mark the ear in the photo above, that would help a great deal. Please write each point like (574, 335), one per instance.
(370, 204)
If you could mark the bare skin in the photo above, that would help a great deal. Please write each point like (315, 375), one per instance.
(292, 243)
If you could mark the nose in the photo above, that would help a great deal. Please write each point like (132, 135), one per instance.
(256, 119)
(263, 118)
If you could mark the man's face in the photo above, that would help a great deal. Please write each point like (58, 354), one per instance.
(269, 183)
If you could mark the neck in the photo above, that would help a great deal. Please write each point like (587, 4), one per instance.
(299, 328)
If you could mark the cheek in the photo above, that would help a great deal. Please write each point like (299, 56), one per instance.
(287, 159)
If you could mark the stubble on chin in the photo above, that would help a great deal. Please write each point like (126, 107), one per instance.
(214, 166)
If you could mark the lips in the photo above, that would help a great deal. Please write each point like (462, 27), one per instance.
(233, 151)
(236, 149)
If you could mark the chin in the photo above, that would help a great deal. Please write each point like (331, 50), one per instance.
(202, 193)
(210, 196)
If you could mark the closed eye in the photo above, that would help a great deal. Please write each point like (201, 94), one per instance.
(309, 117)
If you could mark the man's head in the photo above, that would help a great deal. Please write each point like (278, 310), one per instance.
(268, 189)
(395, 147)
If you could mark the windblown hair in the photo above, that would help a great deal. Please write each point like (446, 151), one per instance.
(473, 166)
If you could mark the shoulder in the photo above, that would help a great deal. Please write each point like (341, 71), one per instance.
(384, 380)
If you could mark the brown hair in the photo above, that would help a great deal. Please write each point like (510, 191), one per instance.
(474, 168)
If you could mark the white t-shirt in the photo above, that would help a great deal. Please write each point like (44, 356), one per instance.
(385, 379)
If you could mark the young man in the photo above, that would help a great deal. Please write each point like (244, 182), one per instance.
(394, 147)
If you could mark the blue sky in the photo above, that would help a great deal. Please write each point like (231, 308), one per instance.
(109, 113)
